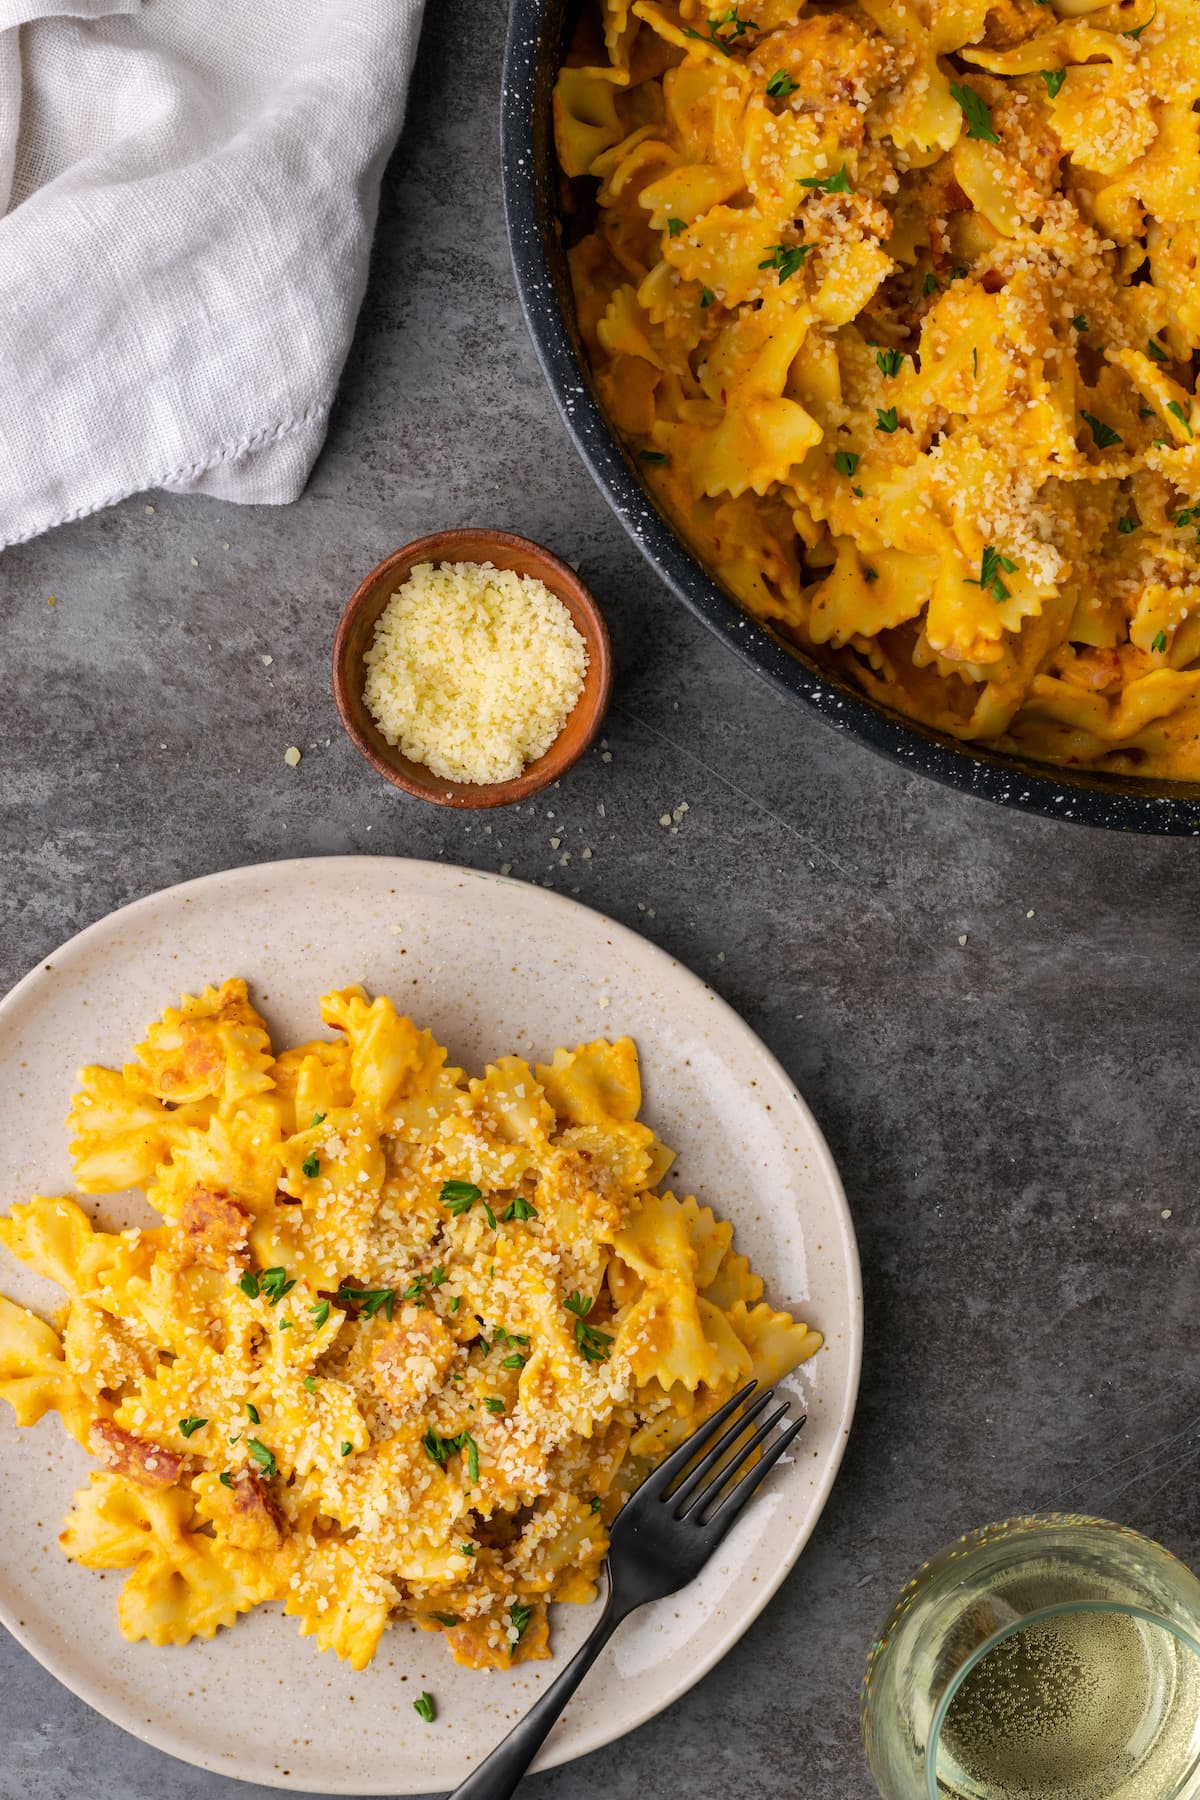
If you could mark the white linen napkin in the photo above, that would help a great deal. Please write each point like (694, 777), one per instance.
(188, 191)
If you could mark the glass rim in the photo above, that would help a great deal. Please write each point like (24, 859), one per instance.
(1064, 1609)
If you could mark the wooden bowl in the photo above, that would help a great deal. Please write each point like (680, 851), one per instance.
(356, 631)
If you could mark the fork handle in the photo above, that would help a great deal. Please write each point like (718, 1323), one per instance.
(498, 1774)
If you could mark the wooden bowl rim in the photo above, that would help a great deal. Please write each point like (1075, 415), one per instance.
(502, 547)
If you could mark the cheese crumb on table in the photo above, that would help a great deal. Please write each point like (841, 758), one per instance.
(473, 670)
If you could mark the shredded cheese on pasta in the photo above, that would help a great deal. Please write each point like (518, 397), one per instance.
(403, 1343)
(898, 302)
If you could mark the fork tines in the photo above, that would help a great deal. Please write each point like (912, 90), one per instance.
(725, 1460)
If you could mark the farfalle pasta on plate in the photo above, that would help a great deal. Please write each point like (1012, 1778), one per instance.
(402, 1343)
(897, 301)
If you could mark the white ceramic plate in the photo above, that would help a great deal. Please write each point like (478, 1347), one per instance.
(489, 965)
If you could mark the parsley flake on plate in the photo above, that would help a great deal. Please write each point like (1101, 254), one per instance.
(1103, 436)
(976, 112)
(785, 258)
(593, 1345)
(990, 565)
(424, 1708)
(829, 184)
(263, 1457)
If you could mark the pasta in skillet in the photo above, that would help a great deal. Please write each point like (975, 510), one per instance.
(403, 1343)
(897, 301)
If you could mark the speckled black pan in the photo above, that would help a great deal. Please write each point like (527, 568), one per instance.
(538, 33)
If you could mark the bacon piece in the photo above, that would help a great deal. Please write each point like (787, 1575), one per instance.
(138, 1458)
(246, 1515)
(411, 1358)
(215, 1227)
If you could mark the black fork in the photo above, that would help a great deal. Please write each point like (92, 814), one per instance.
(661, 1539)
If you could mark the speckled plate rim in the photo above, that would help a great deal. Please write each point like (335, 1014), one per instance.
(530, 179)
(836, 1305)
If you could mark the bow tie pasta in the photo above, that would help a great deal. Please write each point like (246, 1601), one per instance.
(403, 1342)
(897, 304)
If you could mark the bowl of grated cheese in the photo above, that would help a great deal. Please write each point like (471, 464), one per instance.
(472, 668)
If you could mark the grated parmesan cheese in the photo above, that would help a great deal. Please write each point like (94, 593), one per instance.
(473, 670)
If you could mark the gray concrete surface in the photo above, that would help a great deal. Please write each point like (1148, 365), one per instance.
(1015, 1115)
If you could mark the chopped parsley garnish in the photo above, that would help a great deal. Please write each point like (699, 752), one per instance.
(190, 1424)
(675, 226)
(885, 418)
(1053, 79)
(467, 1549)
(781, 85)
(595, 1503)
(236, 1438)
(310, 1381)
(311, 1166)
(593, 1345)
(786, 258)
(1177, 412)
(975, 111)
(845, 462)
(438, 1447)
(870, 574)
(990, 566)
(347, 1446)
(652, 456)
(249, 1284)
(320, 1312)
(252, 1414)
(1184, 518)
(274, 1284)
(1103, 436)
(436, 1276)
(446, 1619)
(423, 1707)
(459, 1196)
(713, 35)
(889, 362)
(518, 1619)
(456, 1302)
(490, 1216)
(287, 1324)
(318, 1119)
(959, 272)
(829, 184)
(263, 1457)
(369, 1301)
(441, 1449)
(929, 285)
(1080, 322)
(706, 298)
(1137, 31)
(515, 1361)
(1127, 524)
(519, 1209)
(415, 1290)
(493, 1403)
(225, 1478)
(1160, 641)
(1156, 351)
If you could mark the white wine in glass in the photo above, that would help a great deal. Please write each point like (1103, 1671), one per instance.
(1047, 1658)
